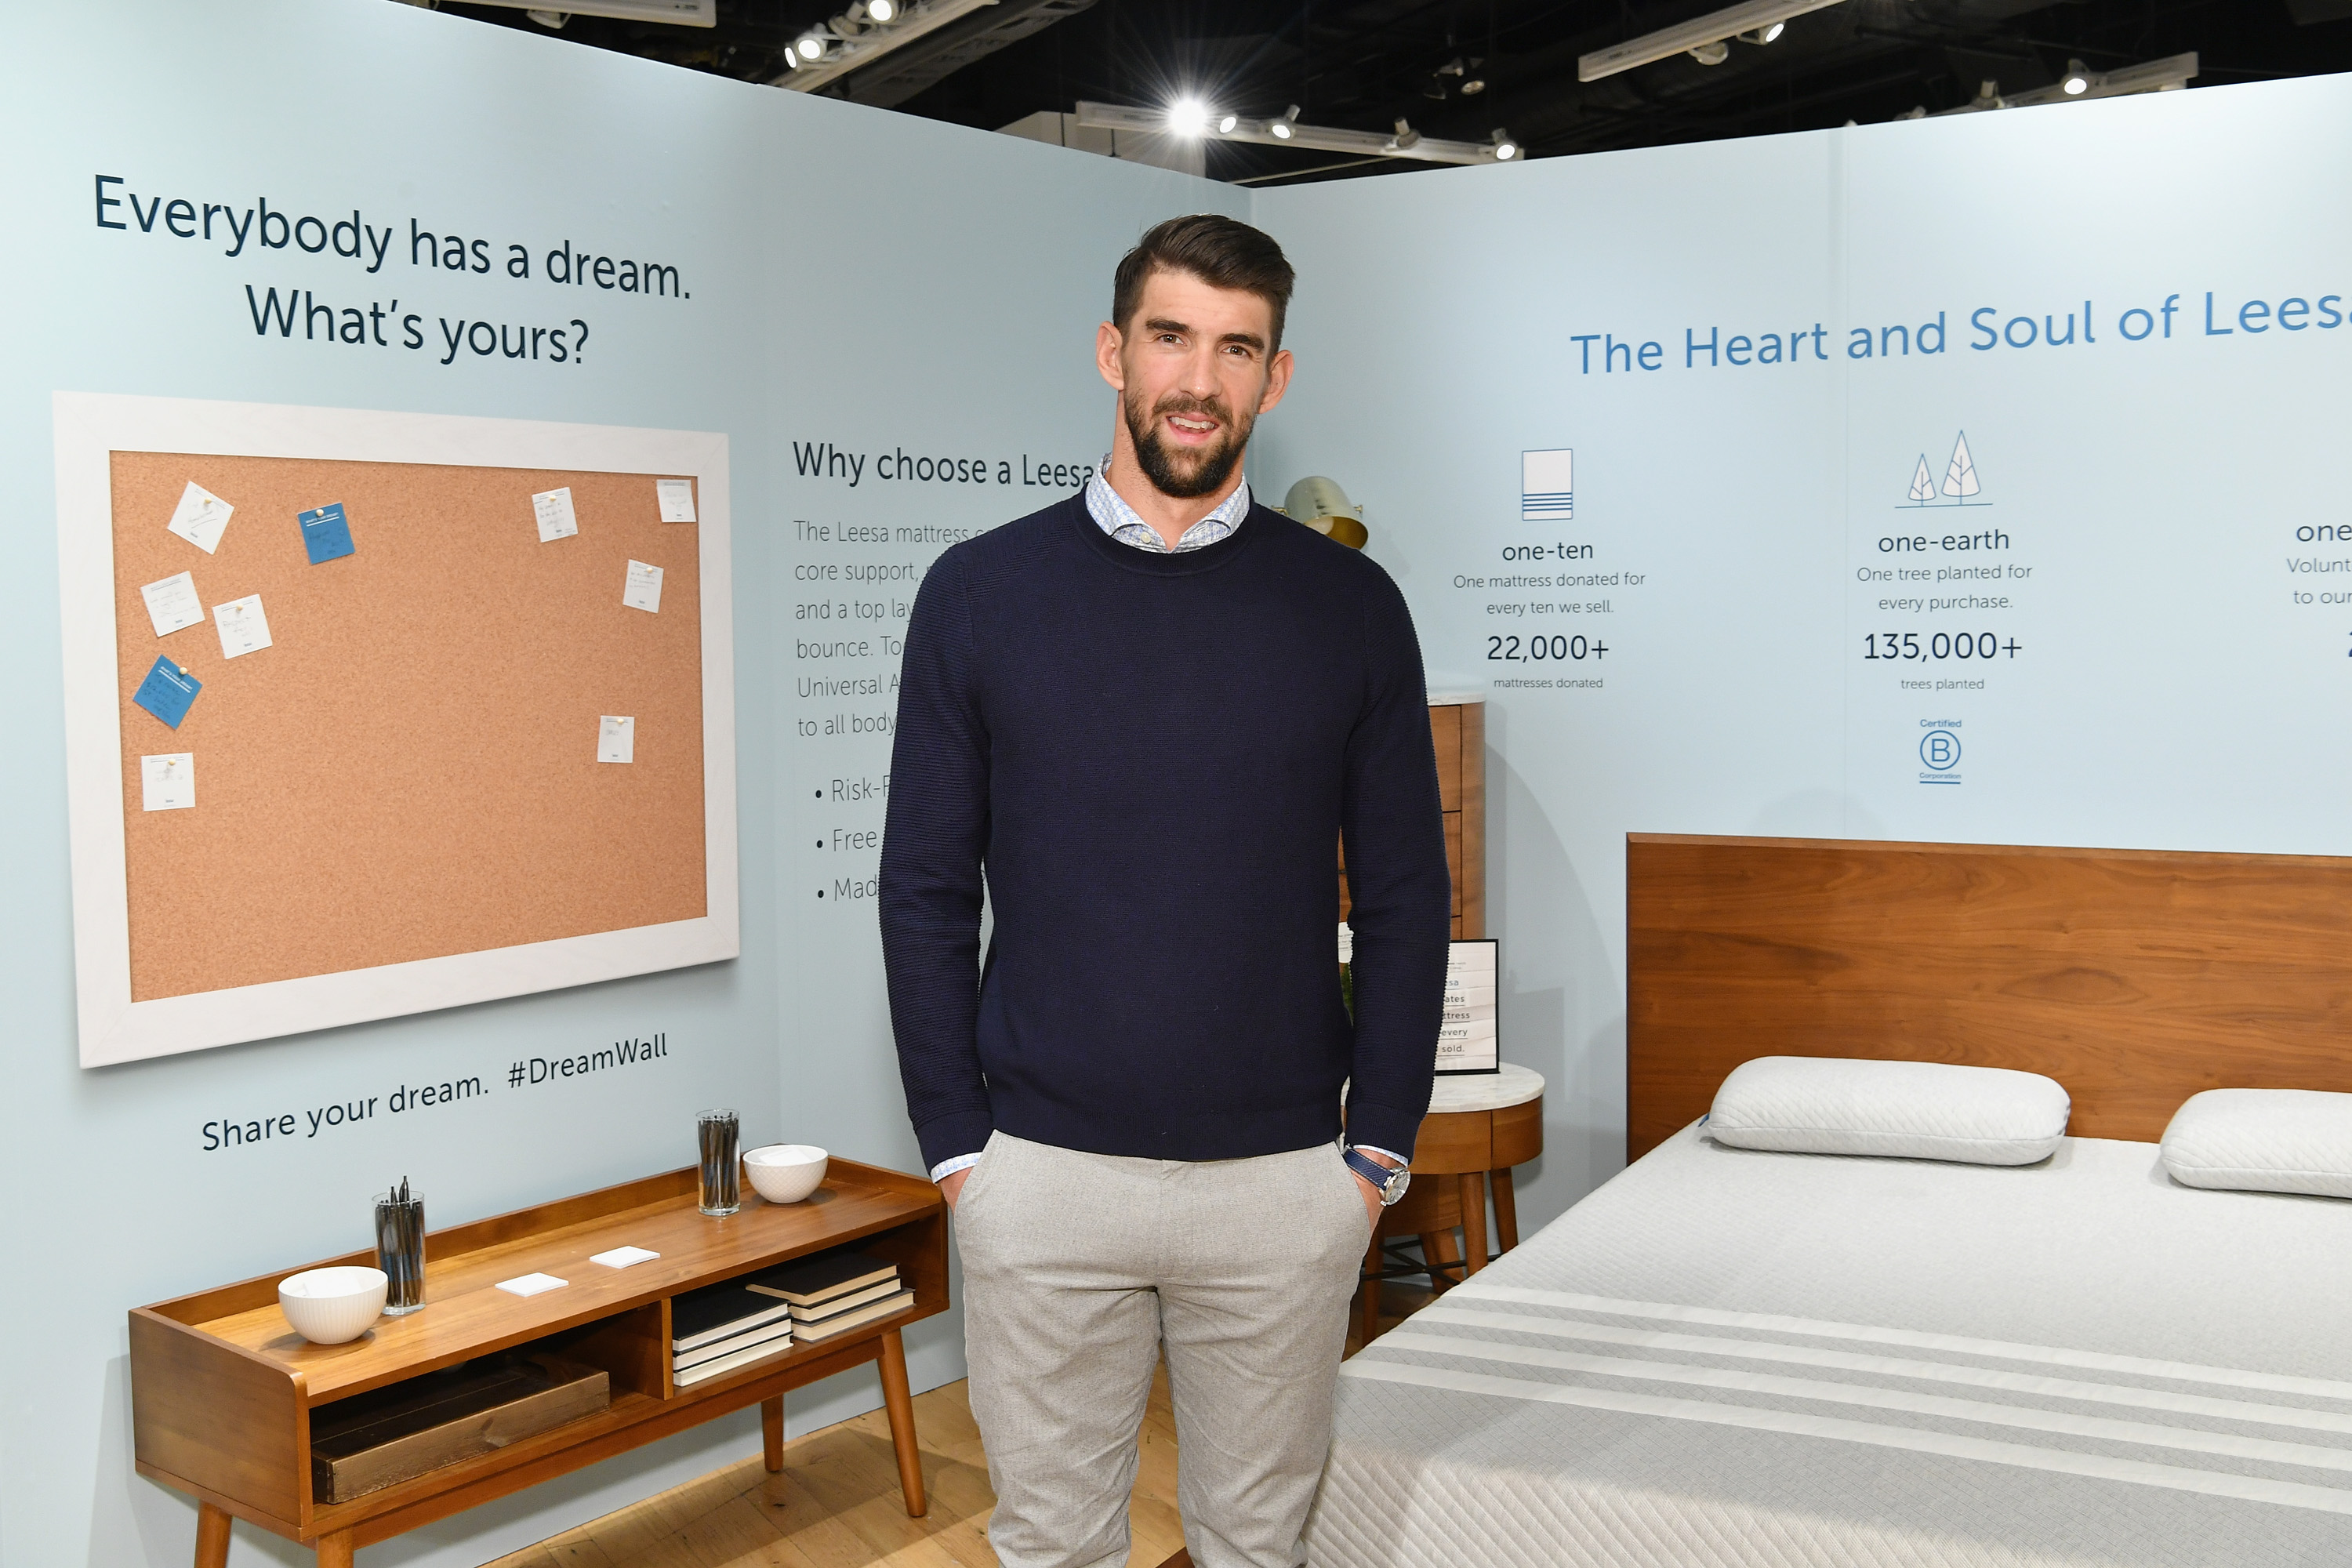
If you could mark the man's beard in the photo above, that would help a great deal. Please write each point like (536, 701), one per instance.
(1210, 466)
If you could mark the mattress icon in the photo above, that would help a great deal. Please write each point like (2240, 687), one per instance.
(1545, 493)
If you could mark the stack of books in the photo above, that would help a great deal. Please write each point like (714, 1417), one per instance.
(832, 1292)
(722, 1327)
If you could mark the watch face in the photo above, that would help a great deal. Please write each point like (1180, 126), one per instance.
(1397, 1183)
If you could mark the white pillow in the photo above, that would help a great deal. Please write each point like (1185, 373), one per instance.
(1918, 1111)
(2263, 1141)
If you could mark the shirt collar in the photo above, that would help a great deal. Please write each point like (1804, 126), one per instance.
(1123, 522)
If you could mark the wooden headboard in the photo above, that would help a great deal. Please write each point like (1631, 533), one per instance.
(2134, 978)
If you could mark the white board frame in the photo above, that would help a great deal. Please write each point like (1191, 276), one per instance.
(88, 427)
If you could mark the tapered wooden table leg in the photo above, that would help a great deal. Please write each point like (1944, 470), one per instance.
(771, 1432)
(1506, 1212)
(899, 1402)
(335, 1550)
(1438, 1250)
(1474, 1222)
(211, 1536)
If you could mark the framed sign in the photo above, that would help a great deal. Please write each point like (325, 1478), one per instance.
(1465, 1037)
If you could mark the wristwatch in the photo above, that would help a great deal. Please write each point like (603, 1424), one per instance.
(1390, 1183)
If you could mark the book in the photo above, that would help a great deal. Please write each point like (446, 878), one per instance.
(806, 1282)
(823, 1309)
(729, 1362)
(809, 1333)
(778, 1330)
(715, 1311)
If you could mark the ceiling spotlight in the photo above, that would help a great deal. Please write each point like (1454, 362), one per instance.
(1225, 123)
(1188, 117)
(1763, 34)
(1701, 36)
(809, 46)
(1406, 136)
(1505, 149)
(1280, 128)
(882, 10)
(2077, 80)
(1476, 84)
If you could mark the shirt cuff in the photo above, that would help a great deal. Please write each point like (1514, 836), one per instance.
(946, 1168)
(1367, 1148)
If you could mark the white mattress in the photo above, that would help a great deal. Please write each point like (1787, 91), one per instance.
(1734, 1357)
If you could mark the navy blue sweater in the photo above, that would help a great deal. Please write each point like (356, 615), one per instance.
(1154, 757)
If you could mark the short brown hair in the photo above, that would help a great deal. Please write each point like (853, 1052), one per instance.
(1222, 252)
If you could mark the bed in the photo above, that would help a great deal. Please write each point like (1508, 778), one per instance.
(1733, 1357)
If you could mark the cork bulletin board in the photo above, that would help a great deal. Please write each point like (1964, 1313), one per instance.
(399, 802)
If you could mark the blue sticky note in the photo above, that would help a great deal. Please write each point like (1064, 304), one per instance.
(167, 693)
(326, 533)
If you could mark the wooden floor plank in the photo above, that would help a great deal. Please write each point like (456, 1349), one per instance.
(738, 1534)
(574, 1549)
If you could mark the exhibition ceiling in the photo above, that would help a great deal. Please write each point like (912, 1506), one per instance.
(1461, 69)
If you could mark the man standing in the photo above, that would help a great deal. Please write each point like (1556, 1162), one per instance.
(1146, 717)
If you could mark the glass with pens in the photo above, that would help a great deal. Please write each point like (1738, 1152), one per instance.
(720, 1138)
(400, 1248)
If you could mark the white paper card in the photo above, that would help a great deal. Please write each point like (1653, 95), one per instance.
(622, 1256)
(616, 739)
(243, 628)
(643, 589)
(676, 499)
(553, 510)
(200, 517)
(168, 783)
(172, 604)
(533, 1284)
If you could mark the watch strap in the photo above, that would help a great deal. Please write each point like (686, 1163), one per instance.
(1372, 1170)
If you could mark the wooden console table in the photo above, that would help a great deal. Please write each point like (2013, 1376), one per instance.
(223, 1389)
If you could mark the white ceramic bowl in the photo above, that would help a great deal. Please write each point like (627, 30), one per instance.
(785, 1173)
(331, 1306)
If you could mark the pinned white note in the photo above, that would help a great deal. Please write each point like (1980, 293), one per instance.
(616, 739)
(172, 604)
(200, 517)
(168, 783)
(643, 591)
(556, 518)
(622, 1256)
(676, 497)
(532, 1284)
(243, 628)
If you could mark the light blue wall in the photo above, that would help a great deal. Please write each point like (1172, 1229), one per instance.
(854, 276)
(2166, 689)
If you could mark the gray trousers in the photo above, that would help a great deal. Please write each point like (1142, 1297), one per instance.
(1078, 1267)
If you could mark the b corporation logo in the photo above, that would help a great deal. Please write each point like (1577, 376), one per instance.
(1939, 750)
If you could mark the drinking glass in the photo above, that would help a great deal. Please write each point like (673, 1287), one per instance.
(400, 1250)
(720, 1138)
